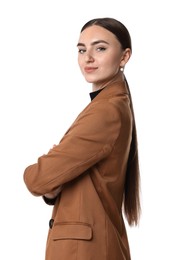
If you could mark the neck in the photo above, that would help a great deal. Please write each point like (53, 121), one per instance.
(117, 78)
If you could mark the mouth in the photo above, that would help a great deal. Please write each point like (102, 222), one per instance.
(90, 69)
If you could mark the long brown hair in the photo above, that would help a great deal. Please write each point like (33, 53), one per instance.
(131, 201)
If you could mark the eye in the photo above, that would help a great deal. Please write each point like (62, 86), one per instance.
(101, 49)
(81, 51)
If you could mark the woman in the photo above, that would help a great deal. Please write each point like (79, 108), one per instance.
(93, 172)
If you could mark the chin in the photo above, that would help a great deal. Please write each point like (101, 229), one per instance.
(90, 79)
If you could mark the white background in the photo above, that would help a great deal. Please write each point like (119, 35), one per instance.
(42, 91)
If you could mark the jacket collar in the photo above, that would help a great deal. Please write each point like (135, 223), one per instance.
(114, 89)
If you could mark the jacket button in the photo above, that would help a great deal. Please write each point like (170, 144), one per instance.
(51, 222)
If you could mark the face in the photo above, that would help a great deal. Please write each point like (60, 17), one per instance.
(100, 55)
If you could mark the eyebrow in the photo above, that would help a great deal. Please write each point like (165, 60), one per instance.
(93, 43)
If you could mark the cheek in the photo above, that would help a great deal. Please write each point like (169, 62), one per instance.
(81, 66)
(111, 64)
(115, 59)
(80, 61)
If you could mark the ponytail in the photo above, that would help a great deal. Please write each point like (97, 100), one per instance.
(131, 204)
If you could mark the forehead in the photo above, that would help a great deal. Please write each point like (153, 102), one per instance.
(95, 33)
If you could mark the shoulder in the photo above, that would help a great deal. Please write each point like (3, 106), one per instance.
(112, 106)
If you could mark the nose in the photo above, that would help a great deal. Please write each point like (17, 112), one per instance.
(89, 57)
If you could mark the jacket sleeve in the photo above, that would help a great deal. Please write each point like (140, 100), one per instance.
(89, 140)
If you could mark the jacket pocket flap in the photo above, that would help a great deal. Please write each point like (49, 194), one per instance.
(75, 230)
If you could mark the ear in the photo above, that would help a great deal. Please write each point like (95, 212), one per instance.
(125, 57)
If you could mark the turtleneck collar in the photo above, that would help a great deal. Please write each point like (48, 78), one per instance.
(95, 93)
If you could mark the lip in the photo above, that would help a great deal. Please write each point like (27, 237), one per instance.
(90, 69)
